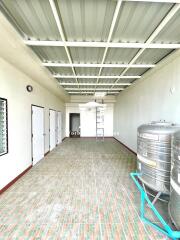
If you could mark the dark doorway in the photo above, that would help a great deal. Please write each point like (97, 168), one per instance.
(74, 120)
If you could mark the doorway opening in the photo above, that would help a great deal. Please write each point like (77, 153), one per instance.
(74, 120)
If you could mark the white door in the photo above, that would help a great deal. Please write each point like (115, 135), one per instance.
(58, 128)
(52, 129)
(37, 133)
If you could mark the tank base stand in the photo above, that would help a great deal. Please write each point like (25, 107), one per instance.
(165, 228)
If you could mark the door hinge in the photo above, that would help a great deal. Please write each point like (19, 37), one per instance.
(32, 135)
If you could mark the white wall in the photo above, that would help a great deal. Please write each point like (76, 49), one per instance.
(156, 96)
(14, 51)
(88, 120)
(13, 87)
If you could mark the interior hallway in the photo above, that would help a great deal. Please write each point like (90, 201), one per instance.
(81, 190)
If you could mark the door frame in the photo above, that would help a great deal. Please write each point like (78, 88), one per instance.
(33, 105)
(51, 109)
(60, 127)
(57, 134)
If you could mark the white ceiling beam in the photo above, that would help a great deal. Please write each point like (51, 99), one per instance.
(159, 28)
(61, 32)
(92, 92)
(94, 65)
(113, 23)
(97, 89)
(92, 84)
(91, 77)
(102, 44)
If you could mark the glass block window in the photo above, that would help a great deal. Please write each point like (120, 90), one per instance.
(3, 127)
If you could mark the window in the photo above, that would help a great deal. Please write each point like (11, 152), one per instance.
(3, 127)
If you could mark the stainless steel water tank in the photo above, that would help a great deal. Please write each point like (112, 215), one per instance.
(174, 204)
(154, 154)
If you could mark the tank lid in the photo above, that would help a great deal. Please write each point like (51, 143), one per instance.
(162, 123)
(159, 127)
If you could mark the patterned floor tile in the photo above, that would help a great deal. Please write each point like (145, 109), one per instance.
(80, 191)
(90, 232)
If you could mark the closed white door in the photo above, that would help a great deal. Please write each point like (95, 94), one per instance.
(37, 133)
(58, 127)
(52, 129)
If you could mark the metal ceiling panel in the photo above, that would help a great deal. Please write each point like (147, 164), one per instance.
(34, 18)
(112, 71)
(136, 71)
(55, 54)
(112, 81)
(171, 32)
(106, 80)
(69, 80)
(86, 20)
(137, 20)
(86, 71)
(86, 55)
(153, 55)
(61, 70)
(120, 55)
(87, 80)
(127, 80)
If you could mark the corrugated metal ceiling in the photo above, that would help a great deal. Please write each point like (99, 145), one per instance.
(92, 21)
(153, 55)
(120, 55)
(55, 54)
(34, 17)
(171, 32)
(87, 55)
(86, 71)
(61, 70)
(88, 20)
(138, 20)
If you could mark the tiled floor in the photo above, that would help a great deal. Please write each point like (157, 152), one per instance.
(81, 190)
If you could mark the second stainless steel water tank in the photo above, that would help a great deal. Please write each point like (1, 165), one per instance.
(174, 204)
(154, 154)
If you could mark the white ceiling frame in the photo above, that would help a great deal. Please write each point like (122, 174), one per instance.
(59, 26)
(102, 44)
(162, 24)
(91, 77)
(97, 89)
(82, 92)
(104, 65)
(93, 84)
(113, 23)
(92, 92)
